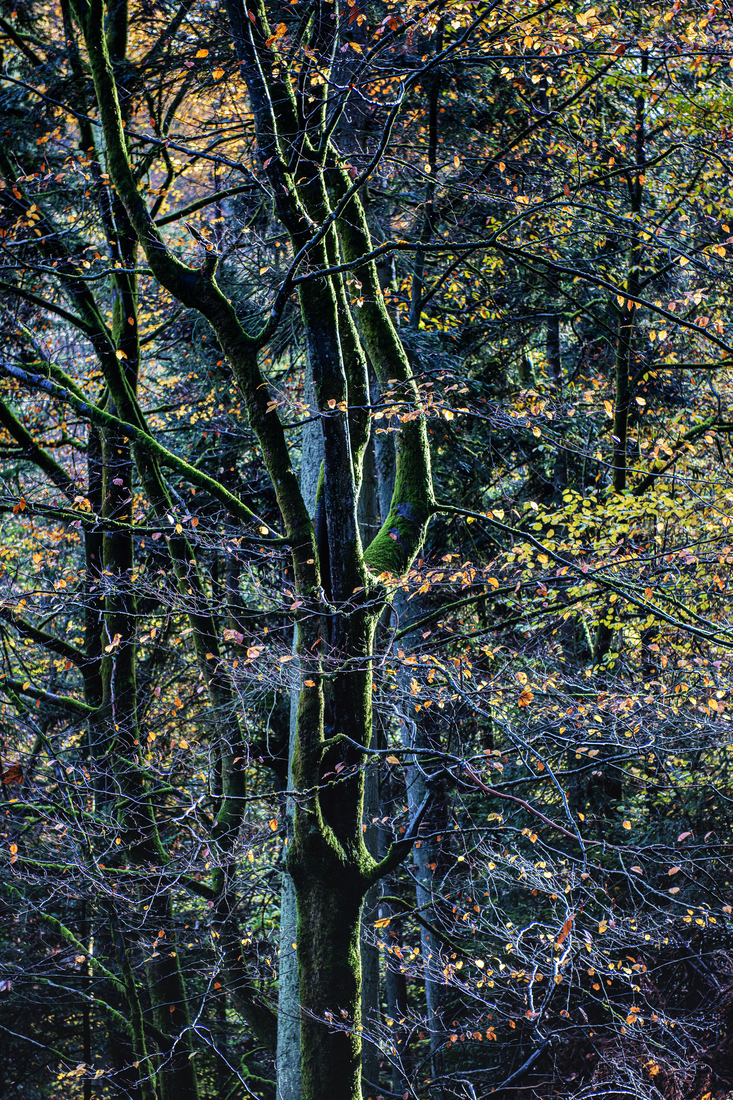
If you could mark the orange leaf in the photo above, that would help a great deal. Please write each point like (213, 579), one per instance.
(565, 931)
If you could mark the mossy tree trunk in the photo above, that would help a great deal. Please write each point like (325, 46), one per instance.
(337, 581)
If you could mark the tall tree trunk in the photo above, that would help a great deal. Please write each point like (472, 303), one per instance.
(287, 1061)
(625, 347)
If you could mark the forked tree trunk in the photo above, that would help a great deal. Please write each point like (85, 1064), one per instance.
(336, 581)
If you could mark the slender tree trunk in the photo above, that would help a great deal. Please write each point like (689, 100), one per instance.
(287, 1060)
(423, 855)
(370, 1000)
(625, 349)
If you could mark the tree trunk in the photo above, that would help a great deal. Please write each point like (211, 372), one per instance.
(330, 896)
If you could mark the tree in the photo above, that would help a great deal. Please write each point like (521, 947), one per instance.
(366, 194)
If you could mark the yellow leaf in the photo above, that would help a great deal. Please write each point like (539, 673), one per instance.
(392, 760)
(218, 74)
(202, 53)
(273, 824)
(251, 856)
(626, 824)
(382, 922)
(356, 46)
(673, 870)
(310, 683)
(120, 354)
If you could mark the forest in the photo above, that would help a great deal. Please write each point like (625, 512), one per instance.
(366, 491)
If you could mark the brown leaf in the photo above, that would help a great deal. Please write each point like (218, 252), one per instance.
(14, 774)
(565, 930)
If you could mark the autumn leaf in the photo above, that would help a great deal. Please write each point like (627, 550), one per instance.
(565, 930)
(13, 774)
(280, 30)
